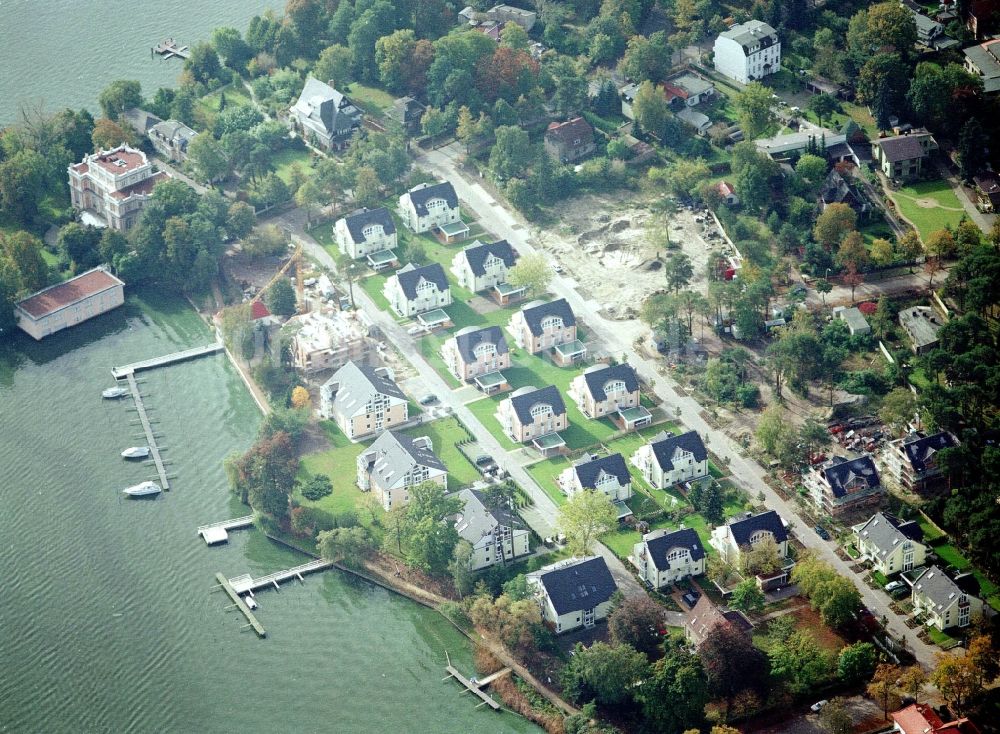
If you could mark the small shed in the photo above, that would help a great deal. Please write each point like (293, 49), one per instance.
(856, 321)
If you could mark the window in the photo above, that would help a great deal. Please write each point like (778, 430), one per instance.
(540, 411)
(372, 230)
(551, 322)
(758, 536)
(485, 351)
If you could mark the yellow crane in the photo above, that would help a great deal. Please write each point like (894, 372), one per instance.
(295, 259)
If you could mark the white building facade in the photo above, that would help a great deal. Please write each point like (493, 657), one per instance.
(748, 51)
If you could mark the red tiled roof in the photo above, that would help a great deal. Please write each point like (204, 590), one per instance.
(131, 158)
(258, 310)
(726, 188)
(143, 187)
(76, 289)
(917, 718)
(80, 167)
(567, 132)
(673, 91)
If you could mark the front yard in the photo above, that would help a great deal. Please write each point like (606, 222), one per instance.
(929, 206)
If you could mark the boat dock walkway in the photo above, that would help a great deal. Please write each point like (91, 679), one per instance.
(216, 532)
(246, 583)
(241, 605)
(475, 687)
(148, 364)
(150, 439)
(169, 48)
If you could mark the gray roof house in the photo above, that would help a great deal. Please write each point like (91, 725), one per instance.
(359, 395)
(496, 535)
(140, 120)
(407, 113)
(369, 233)
(523, 403)
(983, 60)
(922, 324)
(466, 342)
(325, 115)
(171, 139)
(665, 556)
(535, 314)
(483, 265)
(413, 290)
(732, 538)
(394, 463)
(574, 593)
(943, 602)
(891, 544)
(912, 460)
(668, 460)
(607, 474)
(428, 205)
(843, 484)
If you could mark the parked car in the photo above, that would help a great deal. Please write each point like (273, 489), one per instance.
(894, 585)
(428, 399)
(821, 532)
(818, 706)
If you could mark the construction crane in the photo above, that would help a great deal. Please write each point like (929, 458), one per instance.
(295, 259)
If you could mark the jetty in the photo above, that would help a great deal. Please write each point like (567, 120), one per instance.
(217, 532)
(154, 450)
(475, 687)
(147, 364)
(241, 605)
(247, 584)
(169, 49)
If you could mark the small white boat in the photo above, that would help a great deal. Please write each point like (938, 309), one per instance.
(136, 452)
(142, 490)
(250, 602)
(113, 393)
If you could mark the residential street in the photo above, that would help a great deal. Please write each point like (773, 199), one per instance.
(618, 337)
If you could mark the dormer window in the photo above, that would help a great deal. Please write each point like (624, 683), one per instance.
(485, 350)
(758, 536)
(372, 230)
(424, 287)
(614, 387)
(552, 322)
(540, 411)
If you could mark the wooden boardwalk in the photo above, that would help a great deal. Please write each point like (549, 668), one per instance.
(148, 364)
(241, 605)
(246, 583)
(150, 439)
(169, 48)
(487, 699)
(216, 532)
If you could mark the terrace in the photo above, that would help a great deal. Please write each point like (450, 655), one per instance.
(492, 383)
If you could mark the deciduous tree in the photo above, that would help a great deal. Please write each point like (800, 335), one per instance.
(747, 597)
(584, 517)
(637, 621)
(604, 673)
(834, 224)
(531, 272)
(754, 110)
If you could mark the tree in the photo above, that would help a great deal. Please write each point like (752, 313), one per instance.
(334, 65)
(460, 567)
(957, 679)
(754, 110)
(265, 474)
(367, 190)
(970, 146)
(679, 271)
(310, 196)
(835, 717)
(515, 37)
(834, 224)
(684, 176)
(823, 105)
(940, 244)
(647, 58)
(857, 662)
(910, 247)
(81, 245)
(531, 272)
(798, 659)
(280, 298)
(823, 287)
(570, 83)
(603, 673)
(747, 597)
(203, 63)
(109, 134)
(515, 622)
(732, 664)
(674, 693)
(912, 681)
(300, 397)
(882, 85)
(119, 96)
(881, 253)
(308, 18)
(853, 257)
(207, 158)
(230, 45)
(434, 122)
(637, 621)
(343, 545)
(240, 220)
(885, 26)
(811, 169)
(511, 154)
(898, 408)
(317, 487)
(763, 558)
(26, 269)
(882, 687)
(584, 517)
(393, 54)
(834, 596)
(650, 109)
(430, 537)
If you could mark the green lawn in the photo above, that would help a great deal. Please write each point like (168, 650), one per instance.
(930, 531)
(950, 555)
(207, 107)
(929, 205)
(372, 285)
(372, 100)
(286, 160)
(338, 463)
(445, 434)
(940, 638)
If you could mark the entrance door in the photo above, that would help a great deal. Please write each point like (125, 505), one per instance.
(588, 618)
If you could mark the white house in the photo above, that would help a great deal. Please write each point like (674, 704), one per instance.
(496, 536)
(481, 266)
(665, 556)
(607, 474)
(943, 601)
(364, 232)
(574, 593)
(363, 400)
(394, 463)
(427, 206)
(748, 51)
(746, 532)
(669, 460)
(412, 290)
(890, 544)
(114, 186)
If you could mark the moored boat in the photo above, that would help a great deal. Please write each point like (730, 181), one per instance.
(142, 490)
(113, 393)
(136, 452)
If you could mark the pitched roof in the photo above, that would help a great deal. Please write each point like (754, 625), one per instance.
(939, 588)
(770, 521)
(67, 293)
(393, 454)
(469, 340)
(478, 253)
(420, 195)
(887, 532)
(569, 132)
(901, 148)
(917, 718)
(533, 315)
(476, 521)
(659, 544)
(357, 221)
(359, 383)
(920, 451)
(409, 276)
(597, 379)
(664, 446)
(259, 310)
(751, 33)
(322, 105)
(173, 130)
(589, 471)
(578, 586)
(140, 120)
(523, 403)
(841, 472)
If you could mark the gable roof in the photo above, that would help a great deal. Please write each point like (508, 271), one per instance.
(664, 446)
(887, 532)
(476, 521)
(569, 132)
(920, 718)
(771, 521)
(322, 105)
(841, 472)
(659, 545)
(173, 130)
(409, 276)
(578, 586)
(751, 33)
(597, 379)
(420, 195)
(939, 588)
(920, 451)
(478, 253)
(900, 148)
(523, 403)
(357, 221)
(393, 454)
(533, 315)
(359, 383)
(469, 340)
(589, 471)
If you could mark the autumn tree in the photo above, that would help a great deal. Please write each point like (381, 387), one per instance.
(514, 622)
(585, 516)
(857, 662)
(833, 225)
(674, 693)
(882, 687)
(910, 247)
(531, 272)
(853, 257)
(300, 397)
(913, 680)
(732, 664)
(763, 557)
(265, 474)
(637, 621)
(881, 253)
(603, 673)
(109, 134)
(835, 718)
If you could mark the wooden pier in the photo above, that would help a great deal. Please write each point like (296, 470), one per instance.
(477, 686)
(241, 605)
(216, 532)
(154, 450)
(148, 364)
(168, 49)
(246, 583)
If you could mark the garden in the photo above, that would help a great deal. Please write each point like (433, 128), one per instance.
(929, 206)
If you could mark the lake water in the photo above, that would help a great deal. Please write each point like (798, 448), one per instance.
(61, 53)
(108, 621)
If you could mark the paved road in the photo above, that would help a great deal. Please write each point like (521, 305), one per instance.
(618, 337)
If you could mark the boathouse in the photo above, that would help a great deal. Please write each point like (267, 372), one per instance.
(67, 304)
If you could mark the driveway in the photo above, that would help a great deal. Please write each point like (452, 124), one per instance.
(619, 338)
(860, 708)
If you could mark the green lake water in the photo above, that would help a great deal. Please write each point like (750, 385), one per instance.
(108, 621)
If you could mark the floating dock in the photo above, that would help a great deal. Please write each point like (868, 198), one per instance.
(216, 532)
(246, 583)
(476, 687)
(150, 439)
(148, 364)
(168, 49)
(241, 605)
